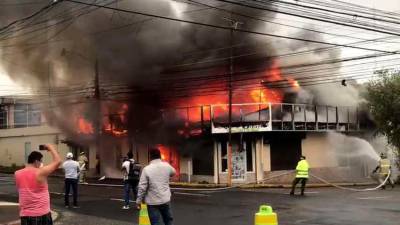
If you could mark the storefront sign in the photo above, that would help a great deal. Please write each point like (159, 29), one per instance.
(241, 129)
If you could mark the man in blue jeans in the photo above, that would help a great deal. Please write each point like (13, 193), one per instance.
(131, 170)
(71, 168)
(154, 189)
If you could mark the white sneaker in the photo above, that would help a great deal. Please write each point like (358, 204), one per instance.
(125, 207)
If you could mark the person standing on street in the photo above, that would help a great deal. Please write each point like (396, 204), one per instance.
(301, 175)
(83, 164)
(384, 168)
(31, 182)
(154, 189)
(131, 170)
(71, 168)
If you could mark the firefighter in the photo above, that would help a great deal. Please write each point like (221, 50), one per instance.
(83, 165)
(384, 169)
(301, 175)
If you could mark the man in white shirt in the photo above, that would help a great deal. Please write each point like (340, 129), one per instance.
(154, 189)
(71, 169)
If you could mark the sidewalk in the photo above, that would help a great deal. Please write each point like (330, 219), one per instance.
(9, 212)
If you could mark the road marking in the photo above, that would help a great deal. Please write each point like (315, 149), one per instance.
(6, 179)
(119, 199)
(8, 203)
(104, 185)
(306, 192)
(191, 194)
(376, 198)
(59, 193)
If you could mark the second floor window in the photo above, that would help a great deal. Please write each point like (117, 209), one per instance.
(3, 117)
(26, 115)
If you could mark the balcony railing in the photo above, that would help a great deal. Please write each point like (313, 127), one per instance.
(264, 117)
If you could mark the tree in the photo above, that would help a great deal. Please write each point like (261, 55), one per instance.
(383, 96)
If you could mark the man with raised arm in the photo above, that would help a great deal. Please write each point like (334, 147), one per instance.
(31, 182)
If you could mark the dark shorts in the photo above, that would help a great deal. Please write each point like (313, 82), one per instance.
(37, 220)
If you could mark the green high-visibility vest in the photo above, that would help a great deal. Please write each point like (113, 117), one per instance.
(384, 165)
(302, 169)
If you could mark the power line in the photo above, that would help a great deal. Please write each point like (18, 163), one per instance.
(309, 17)
(50, 5)
(277, 23)
(228, 28)
(330, 11)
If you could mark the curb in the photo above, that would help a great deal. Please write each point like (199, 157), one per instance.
(307, 185)
(248, 186)
(54, 214)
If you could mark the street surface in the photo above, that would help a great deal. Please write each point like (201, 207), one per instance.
(320, 206)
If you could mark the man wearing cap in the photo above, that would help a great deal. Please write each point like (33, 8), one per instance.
(71, 168)
(384, 168)
(83, 164)
(301, 175)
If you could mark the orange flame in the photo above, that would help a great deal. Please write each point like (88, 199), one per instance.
(84, 127)
(171, 156)
(115, 120)
(261, 94)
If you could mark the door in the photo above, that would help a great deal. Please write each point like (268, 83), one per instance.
(239, 165)
(285, 153)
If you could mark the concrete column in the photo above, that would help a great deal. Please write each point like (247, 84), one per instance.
(259, 160)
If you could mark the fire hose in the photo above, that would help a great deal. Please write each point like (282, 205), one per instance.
(282, 174)
(353, 189)
(269, 178)
(228, 188)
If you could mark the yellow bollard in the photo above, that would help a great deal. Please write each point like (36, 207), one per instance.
(143, 215)
(266, 216)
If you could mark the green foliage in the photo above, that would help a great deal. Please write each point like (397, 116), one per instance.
(383, 96)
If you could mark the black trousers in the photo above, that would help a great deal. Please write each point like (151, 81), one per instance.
(303, 184)
(71, 183)
(37, 220)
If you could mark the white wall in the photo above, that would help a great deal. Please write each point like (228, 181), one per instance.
(319, 151)
(12, 143)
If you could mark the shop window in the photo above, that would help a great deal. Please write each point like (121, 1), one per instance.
(224, 157)
(249, 156)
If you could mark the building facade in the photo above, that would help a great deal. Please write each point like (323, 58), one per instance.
(267, 140)
(23, 127)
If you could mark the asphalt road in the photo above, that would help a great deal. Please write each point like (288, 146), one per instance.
(320, 206)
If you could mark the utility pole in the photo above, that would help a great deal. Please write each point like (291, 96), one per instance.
(49, 85)
(98, 114)
(234, 26)
(96, 80)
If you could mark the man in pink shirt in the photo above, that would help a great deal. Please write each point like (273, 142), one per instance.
(34, 197)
